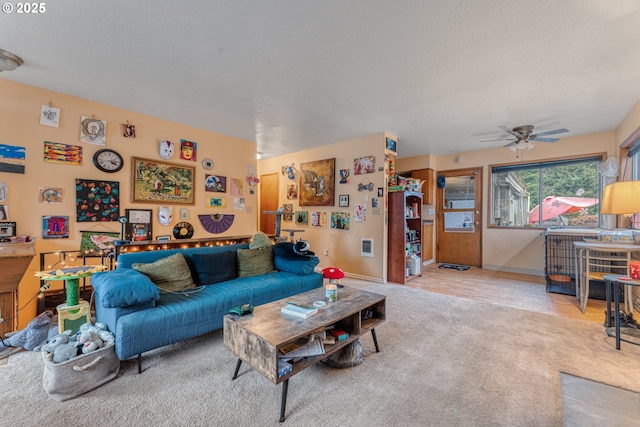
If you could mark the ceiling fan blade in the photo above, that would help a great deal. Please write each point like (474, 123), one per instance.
(500, 139)
(512, 144)
(552, 132)
(510, 131)
(544, 139)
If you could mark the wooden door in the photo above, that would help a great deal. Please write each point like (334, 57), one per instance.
(459, 217)
(268, 202)
(427, 242)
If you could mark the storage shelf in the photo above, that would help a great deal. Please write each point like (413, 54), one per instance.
(405, 233)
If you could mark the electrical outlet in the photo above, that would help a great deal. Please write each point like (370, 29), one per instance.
(326, 252)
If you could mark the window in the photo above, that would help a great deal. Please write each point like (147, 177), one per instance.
(568, 189)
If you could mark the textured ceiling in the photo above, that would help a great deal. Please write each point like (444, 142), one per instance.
(293, 74)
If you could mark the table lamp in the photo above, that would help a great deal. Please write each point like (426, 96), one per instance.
(621, 198)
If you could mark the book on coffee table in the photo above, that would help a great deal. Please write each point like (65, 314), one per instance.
(298, 311)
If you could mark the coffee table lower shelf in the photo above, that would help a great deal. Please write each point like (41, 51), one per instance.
(257, 339)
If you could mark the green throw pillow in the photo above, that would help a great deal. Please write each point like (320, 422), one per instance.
(260, 241)
(170, 274)
(253, 262)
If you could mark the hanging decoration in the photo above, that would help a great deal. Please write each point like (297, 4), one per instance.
(216, 223)
(252, 179)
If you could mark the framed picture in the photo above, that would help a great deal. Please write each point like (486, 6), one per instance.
(317, 183)
(139, 224)
(344, 201)
(55, 227)
(7, 229)
(288, 207)
(215, 202)
(156, 181)
(392, 146)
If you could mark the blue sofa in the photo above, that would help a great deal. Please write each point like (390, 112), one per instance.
(142, 318)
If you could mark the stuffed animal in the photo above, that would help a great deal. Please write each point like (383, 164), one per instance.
(93, 336)
(34, 335)
(60, 347)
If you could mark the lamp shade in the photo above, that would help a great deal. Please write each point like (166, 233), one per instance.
(621, 198)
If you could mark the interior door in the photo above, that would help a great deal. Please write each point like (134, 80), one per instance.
(268, 202)
(459, 217)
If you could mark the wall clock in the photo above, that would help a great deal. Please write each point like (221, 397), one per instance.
(108, 160)
(183, 230)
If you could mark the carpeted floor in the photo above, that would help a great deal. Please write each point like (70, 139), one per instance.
(445, 361)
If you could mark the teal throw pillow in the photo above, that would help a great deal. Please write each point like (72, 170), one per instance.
(285, 259)
(124, 287)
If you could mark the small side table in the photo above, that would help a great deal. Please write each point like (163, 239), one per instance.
(630, 335)
(74, 312)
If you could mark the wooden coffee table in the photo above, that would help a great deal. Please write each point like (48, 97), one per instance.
(257, 339)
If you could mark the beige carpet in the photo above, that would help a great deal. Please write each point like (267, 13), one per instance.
(445, 362)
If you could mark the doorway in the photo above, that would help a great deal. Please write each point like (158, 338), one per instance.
(268, 202)
(459, 217)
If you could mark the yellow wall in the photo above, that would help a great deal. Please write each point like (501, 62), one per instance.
(514, 250)
(342, 246)
(19, 121)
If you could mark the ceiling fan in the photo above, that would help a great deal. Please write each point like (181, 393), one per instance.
(524, 137)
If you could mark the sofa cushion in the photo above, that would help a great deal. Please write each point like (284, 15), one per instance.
(124, 287)
(170, 274)
(285, 259)
(215, 268)
(253, 262)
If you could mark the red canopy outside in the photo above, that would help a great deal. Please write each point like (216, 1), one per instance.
(553, 206)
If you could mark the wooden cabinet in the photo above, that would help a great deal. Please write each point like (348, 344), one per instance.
(405, 236)
(426, 176)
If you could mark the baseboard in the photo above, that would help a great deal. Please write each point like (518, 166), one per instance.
(529, 271)
(357, 276)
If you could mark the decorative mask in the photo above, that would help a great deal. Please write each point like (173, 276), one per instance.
(166, 149)
(165, 215)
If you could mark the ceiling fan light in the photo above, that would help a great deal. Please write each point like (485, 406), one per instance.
(529, 146)
(513, 147)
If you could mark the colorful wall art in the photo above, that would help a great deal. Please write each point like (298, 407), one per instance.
(162, 182)
(97, 201)
(55, 152)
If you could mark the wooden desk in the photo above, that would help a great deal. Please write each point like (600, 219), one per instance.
(601, 256)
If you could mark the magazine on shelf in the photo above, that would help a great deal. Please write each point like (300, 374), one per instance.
(311, 348)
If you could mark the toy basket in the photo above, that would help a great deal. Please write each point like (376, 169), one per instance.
(66, 380)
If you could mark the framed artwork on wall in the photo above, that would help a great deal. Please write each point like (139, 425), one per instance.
(317, 183)
(155, 181)
(343, 202)
(97, 200)
(391, 146)
(215, 183)
(139, 224)
(55, 227)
